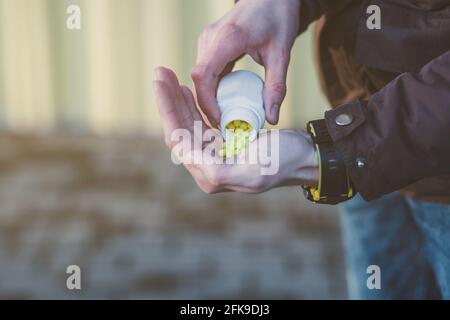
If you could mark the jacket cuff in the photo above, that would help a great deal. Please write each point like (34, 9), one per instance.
(345, 125)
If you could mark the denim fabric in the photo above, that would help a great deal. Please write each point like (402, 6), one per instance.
(408, 239)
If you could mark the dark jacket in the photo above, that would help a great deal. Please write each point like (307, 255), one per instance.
(395, 83)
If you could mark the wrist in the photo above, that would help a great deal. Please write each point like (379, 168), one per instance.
(308, 166)
(300, 163)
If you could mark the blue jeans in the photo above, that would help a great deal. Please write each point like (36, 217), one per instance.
(408, 239)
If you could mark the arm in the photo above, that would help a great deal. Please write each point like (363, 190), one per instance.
(402, 135)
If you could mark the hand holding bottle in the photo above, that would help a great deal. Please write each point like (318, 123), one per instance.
(265, 30)
(297, 157)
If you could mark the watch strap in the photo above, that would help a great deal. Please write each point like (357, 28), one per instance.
(334, 184)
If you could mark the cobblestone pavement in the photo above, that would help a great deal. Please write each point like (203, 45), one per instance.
(139, 228)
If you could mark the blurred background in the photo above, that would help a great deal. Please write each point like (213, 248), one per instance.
(85, 178)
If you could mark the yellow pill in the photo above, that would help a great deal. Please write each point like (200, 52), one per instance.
(230, 126)
(237, 138)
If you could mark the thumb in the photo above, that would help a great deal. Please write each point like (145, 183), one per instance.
(275, 85)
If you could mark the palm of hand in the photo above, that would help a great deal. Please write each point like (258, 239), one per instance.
(269, 161)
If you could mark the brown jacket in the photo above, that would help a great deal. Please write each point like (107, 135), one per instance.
(395, 84)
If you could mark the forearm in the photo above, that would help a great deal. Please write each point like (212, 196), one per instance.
(300, 163)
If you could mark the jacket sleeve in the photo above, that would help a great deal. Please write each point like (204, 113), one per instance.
(401, 135)
(311, 10)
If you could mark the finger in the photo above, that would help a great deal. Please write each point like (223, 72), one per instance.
(227, 46)
(170, 78)
(230, 66)
(276, 66)
(190, 103)
(165, 101)
(194, 116)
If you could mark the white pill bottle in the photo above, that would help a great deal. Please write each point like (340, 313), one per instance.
(240, 97)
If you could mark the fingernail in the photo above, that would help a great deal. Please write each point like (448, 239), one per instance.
(274, 112)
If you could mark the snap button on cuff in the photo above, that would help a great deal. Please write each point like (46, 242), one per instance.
(360, 162)
(344, 119)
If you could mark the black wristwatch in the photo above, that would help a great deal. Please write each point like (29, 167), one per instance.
(334, 184)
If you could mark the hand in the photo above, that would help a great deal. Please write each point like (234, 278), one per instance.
(264, 29)
(297, 161)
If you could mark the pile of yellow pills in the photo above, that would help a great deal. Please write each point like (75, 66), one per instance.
(237, 138)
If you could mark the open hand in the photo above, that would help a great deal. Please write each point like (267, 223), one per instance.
(292, 151)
